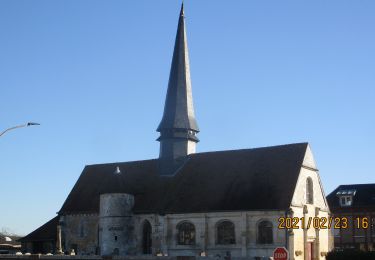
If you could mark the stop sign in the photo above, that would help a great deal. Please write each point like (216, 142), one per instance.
(280, 253)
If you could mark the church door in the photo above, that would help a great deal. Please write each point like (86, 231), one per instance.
(146, 238)
(310, 251)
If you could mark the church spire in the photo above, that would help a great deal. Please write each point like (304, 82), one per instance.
(178, 127)
(178, 109)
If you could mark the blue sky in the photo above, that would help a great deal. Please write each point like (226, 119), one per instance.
(94, 74)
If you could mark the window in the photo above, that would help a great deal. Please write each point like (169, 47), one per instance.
(265, 234)
(309, 191)
(225, 233)
(186, 233)
(346, 197)
(346, 201)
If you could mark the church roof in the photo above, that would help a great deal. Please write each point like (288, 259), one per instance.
(237, 180)
(178, 108)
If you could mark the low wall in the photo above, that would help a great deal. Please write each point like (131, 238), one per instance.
(82, 257)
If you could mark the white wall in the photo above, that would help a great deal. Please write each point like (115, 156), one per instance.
(319, 209)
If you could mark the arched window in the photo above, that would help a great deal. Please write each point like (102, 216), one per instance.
(225, 233)
(146, 238)
(265, 233)
(186, 233)
(309, 191)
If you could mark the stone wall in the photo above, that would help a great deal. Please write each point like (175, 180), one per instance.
(80, 232)
(302, 237)
(164, 233)
(116, 224)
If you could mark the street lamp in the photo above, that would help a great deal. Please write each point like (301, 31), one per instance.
(18, 126)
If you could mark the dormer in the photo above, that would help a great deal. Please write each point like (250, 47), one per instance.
(346, 197)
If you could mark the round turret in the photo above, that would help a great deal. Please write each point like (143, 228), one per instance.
(116, 224)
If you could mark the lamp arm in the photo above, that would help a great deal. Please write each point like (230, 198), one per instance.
(11, 128)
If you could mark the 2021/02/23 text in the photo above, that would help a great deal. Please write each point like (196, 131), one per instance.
(323, 222)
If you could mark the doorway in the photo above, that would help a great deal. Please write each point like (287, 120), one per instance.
(310, 251)
(146, 238)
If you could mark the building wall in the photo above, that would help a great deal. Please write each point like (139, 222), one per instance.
(309, 169)
(80, 232)
(164, 233)
(357, 234)
(306, 233)
(116, 224)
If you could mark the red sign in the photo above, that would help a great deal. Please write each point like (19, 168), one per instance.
(280, 253)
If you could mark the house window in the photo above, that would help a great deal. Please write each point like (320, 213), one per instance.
(186, 233)
(265, 233)
(346, 197)
(225, 233)
(346, 201)
(309, 191)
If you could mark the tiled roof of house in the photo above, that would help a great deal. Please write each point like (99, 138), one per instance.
(363, 195)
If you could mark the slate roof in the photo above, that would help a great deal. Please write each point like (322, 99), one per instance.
(179, 108)
(47, 232)
(364, 196)
(237, 180)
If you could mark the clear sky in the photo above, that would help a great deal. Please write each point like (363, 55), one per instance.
(95, 73)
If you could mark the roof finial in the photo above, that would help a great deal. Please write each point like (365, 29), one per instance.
(117, 170)
(182, 9)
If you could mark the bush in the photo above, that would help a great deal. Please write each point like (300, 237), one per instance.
(350, 255)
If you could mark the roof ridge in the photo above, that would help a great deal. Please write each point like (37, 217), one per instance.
(114, 163)
(201, 153)
(359, 184)
(255, 148)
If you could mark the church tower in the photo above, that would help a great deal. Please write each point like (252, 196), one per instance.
(178, 127)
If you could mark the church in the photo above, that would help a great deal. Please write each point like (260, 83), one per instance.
(234, 203)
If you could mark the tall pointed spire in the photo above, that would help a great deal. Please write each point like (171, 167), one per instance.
(178, 127)
(179, 109)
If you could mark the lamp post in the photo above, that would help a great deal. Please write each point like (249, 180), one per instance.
(18, 126)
